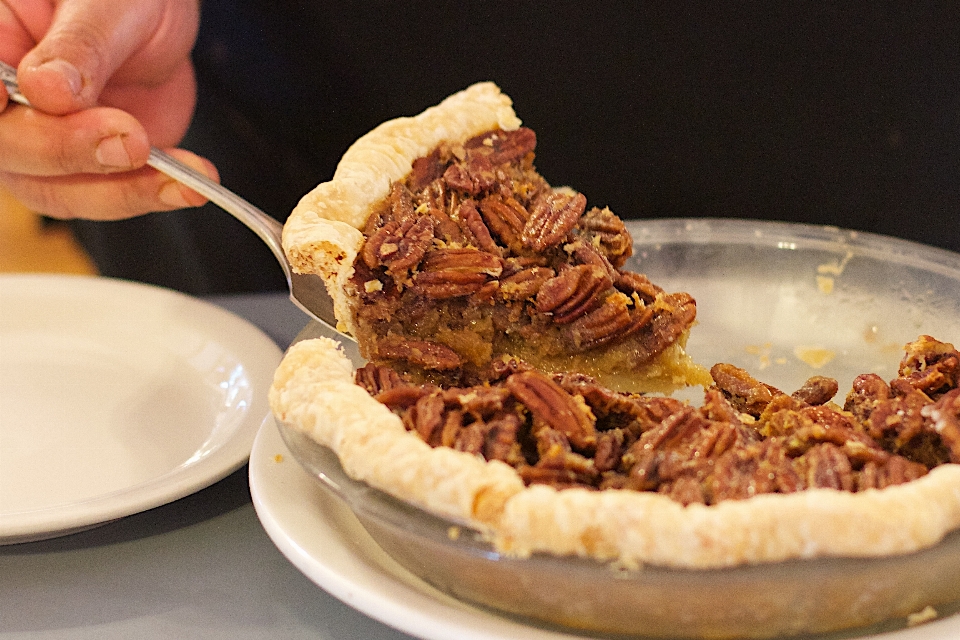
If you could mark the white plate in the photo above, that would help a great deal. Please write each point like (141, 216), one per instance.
(325, 541)
(117, 397)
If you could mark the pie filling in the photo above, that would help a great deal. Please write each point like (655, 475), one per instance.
(474, 258)
(748, 438)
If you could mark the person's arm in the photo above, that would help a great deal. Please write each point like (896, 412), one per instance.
(107, 80)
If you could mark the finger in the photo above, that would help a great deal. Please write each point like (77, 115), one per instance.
(164, 110)
(15, 36)
(99, 140)
(110, 197)
(90, 40)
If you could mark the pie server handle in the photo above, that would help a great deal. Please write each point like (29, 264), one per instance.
(307, 291)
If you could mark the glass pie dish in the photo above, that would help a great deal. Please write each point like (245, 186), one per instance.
(784, 302)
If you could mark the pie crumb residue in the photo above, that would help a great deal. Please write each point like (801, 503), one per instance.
(825, 284)
(835, 268)
(816, 357)
(926, 614)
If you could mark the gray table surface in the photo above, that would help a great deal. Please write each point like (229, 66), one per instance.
(200, 567)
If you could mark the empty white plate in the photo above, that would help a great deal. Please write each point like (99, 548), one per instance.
(117, 397)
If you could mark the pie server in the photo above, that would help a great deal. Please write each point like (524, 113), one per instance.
(306, 291)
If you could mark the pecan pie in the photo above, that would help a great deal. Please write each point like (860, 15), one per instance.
(559, 463)
(495, 312)
(445, 249)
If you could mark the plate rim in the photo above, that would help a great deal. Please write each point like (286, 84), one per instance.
(253, 348)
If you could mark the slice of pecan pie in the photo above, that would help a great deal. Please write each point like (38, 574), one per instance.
(445, 251)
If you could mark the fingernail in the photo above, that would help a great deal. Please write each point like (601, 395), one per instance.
(112, 153)
(171, 195)
(67, 71)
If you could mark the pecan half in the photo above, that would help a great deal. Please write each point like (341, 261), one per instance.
(449, 273)
(868, 391)
(426, 418)
(609, 450)
(480, 402)
(424, 353)
(931, 366)
(385, 234)
(637, 283)
(471, 438)
(415, 239)
(674, 313)
(505, 217)
(760, 467)
(573, 293)
(899, 418)
(399, 246)
(504, 146)
(404, 396)
(501, 441)
(376, 379)
(945, 417)
(745, 392)
(554, 407)
(552, 217)
(616, 317)
(826, 467)
(452, 425)
(896, 470)
(525, 284)
(474, 177)
(465, 260)
(445, 228)
(817, 390)
(605, 230)
(584, 253)
(426, 170)
(474, 224)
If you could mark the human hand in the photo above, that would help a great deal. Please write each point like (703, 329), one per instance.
(106, 80)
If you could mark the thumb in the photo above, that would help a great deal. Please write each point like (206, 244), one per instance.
(86, 43)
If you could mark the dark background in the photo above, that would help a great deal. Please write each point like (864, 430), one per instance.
(842, 114)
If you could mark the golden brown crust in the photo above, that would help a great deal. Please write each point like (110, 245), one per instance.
(314, 391)
(321, 235)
